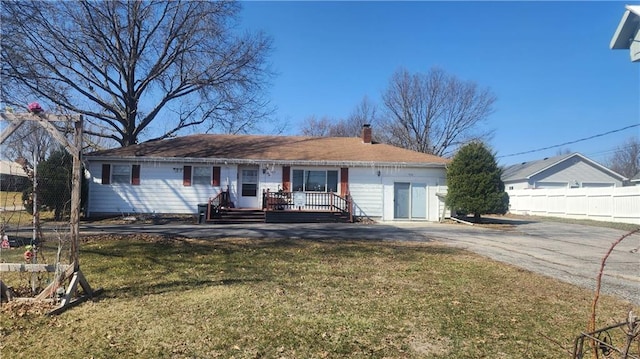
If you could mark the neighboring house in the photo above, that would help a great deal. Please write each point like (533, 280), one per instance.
(627, 35)
(565, 171)
(635, 181)
(173, 176)
(13, 178)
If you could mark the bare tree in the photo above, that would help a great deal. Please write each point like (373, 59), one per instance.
(126, 64)
(316, 127)
(435, 112)
(30, 142)
(364, 113)
(626, 159)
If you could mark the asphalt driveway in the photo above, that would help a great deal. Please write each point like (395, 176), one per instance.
(569, 252)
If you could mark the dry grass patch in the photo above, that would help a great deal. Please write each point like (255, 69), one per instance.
(243, 298)
(8, 198)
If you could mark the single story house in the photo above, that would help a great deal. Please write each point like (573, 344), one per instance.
(565, 171)
(174, 176)
(13, 178)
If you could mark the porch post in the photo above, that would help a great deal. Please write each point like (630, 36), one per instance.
(344, 181)
(265, 199)
(286, 178)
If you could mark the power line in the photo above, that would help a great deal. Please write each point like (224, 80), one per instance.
(604, 152)
(611, 150)
(571, 142)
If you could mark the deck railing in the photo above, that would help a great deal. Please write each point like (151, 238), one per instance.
(307, 201)
(221, 200)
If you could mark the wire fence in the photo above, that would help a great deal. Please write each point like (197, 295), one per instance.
(35, 204)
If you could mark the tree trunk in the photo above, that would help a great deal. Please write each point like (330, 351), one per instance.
(6, 293)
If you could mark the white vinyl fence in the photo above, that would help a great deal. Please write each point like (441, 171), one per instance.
(613, 204)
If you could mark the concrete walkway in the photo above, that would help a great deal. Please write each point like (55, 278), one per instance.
(568, 252)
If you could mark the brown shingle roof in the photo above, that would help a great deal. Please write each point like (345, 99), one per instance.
(272, 148)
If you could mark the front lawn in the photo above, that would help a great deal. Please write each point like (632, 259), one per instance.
(246, 298)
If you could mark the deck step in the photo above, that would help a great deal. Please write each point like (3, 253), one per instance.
(306, 217)
(239, 216)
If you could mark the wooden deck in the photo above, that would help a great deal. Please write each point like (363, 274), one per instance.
(283, 207)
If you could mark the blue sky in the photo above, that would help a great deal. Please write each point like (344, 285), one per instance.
(548, 63)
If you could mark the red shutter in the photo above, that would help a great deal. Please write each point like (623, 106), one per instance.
(216, 176)
(135, 175)
(286, 178)
(106, 173)
(186, 176)
(344, 181)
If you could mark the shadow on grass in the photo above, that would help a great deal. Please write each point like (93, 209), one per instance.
(130, 268)
(314, 231)
(131, 291)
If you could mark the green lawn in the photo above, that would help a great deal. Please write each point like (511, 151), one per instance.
(241, 298)
(13, 213)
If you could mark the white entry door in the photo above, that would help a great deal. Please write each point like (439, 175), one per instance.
(248, 196)
(410, 200)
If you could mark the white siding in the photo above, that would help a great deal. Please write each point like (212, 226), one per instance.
(271, 179)
(433, 178)
(365, 188)
(373, 195)
(517, 185)
(229, 181)
(160, 191)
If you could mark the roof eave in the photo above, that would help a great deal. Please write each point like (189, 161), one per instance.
(241, 161)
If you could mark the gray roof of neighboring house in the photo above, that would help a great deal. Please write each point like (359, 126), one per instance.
(636, 178)
(11, 168)
(526, 170)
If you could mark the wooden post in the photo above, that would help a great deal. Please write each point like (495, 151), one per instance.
(350, 207)
(76, 188)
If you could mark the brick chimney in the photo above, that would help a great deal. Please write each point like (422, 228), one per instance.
(366, 133)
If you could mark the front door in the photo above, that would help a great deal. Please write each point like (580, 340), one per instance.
(248, 196)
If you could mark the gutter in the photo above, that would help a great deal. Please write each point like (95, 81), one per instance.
(240, 161)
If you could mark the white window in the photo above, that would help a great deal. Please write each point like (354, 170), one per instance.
(202, 176)
(249, 183)
(315, 181)
(121, 174)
